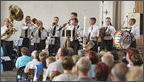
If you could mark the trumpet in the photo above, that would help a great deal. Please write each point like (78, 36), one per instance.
(34, 21)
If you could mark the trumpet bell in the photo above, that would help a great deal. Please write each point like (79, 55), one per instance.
(34, 21)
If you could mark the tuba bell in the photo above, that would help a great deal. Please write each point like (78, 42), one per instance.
(15, 14)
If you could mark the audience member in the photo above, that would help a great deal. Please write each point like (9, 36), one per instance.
(101, 72)
(119, 72)
(93, 57)
(83, 67)
(24, 59)
(33, 63)
(67, 64)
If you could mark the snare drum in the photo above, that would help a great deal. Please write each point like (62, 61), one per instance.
(122, 40)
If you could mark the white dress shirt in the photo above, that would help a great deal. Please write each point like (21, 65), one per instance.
(111, 30)
(31, 65)
(78, 29)
(36, 38)
(93, 31)
(3, 29)
(135, 31)
(57, 32)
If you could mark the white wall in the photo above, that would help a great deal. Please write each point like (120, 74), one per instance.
(46, 10)
(126, 7)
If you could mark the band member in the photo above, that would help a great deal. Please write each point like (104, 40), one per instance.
(77, 35)
(93, 33)
(73, 16)
(7, 43)
(39, 36)
(26, 32)
(108, 35)
(55, 33)
(135, 32)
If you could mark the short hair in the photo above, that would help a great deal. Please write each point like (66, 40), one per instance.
(75, 19)
(71, 51)
(93, 18)
(135, 74)
(25, 50)
(51, 59)
(108, 18)
(64, 52)
(119, 71)
(46, 51)
(28, 16)
(82, 52)
(137, 59)
(108, 59)
(93, 57)
(34, 54)
(56, 17)
(134, 20)
(75, 59)
(53, 74)
(101, 71)
(74, 13)
(132, 51)
(67, 63)
(84, 65)
(42, 55)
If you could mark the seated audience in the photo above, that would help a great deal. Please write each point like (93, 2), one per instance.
(101, 72)
(62, 52)
(53, 74)
(33, 63)
(93, 57)
(83, 67)
(133, 57)
(38, 70)
(75, 60)
(108, 59)
(135, 74)
(46, 61)
(24, 59)
(67, 64)
(119, 72)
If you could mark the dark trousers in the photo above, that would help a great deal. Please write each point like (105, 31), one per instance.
(26, 42)
(108, 44)
(40, 46)
(95, 47)
(54, 48)
(7, 48)
(75, 45)
(133, 44)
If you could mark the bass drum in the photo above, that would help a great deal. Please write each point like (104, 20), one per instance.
(122, 40)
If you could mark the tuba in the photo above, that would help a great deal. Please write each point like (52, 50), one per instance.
(15, 14)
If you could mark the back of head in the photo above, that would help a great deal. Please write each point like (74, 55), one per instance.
(75, 59)
(82, 52)
(64, 52)
(93, 57)
(67, 63)
(101, 71)
(84, 65)
(42, 55)
(119, 71)
(108, 59)
(25, 51)
(71, 51)
(34, 54)
(135, 74)
(137, 59)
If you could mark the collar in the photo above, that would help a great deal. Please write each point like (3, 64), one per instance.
(133, 26)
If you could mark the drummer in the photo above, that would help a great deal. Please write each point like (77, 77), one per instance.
(109, 33)
(135, 32)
